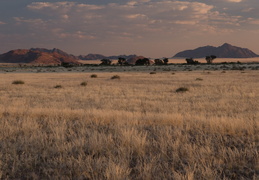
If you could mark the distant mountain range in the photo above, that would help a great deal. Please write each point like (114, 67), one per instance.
(99, 56)
(57, 56)
(224, 51)
(50, 56)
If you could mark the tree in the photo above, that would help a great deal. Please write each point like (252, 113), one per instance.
(122, 61)
(165, 61)
(210, 58)
(106, 62)
(158, 62)
(67, 64)
(191, 61)
(142, 62)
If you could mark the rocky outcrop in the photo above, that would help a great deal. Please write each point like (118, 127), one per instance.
(92, 57)
(36, 56)
(224, 51)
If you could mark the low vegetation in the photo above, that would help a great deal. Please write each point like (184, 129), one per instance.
(135, 129)
(93, 76)
(115, 77)
(83, 83)
(18, 82)
(181, 89)
(199, 79)
(58, 86)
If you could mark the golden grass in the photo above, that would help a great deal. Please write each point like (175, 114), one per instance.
(134, 128)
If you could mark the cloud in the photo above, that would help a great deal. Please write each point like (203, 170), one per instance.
(134, 16)
(1, 23)
(235, 1)
(134, 19)
(29, 21)
(62, 6)
(253, 21)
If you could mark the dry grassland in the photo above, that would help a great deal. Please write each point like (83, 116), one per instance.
(135, 127)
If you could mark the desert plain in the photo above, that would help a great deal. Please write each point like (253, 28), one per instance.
(134, 122)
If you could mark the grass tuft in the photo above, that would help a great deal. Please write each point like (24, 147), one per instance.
(93, 76)
(83, 83)
(115, 77)
(18, 82)
(182, 89)
(199, 79)
(58, 86)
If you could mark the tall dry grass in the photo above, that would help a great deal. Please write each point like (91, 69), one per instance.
(136, 127)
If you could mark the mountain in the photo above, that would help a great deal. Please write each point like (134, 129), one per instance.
(99, 56)
(123, 56)
(37, 56)
(224, 51)
(92, 57)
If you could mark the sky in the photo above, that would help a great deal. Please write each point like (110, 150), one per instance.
(152, 28)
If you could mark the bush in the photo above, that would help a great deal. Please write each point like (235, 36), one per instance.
(182, 89)
(58, 86)
(18, 82)
(83, 83)
(93, 76)
(152, 73)
(199, 79)
(115, 77)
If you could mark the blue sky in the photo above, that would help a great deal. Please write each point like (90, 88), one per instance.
(151, 28)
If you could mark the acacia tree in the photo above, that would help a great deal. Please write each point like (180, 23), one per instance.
(191, 61)
(144, 61)
(165, 61)
(106, 62)
(210, 58)
(122, 61)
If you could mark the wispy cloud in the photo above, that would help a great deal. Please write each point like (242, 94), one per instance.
(137, 23)
(235, 1)
(124, 17)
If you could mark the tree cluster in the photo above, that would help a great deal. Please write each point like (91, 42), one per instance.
(146, 61)
(209, 60)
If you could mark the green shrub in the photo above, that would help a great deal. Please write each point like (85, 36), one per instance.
(182, 89)
(152, 72)
(93, 76)
(115, 77)
(18, 82)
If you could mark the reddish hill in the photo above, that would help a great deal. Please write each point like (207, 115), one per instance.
(36, 57)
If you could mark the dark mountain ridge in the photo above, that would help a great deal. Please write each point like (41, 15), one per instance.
(224, 51)
(50, 56)
(100, 56)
